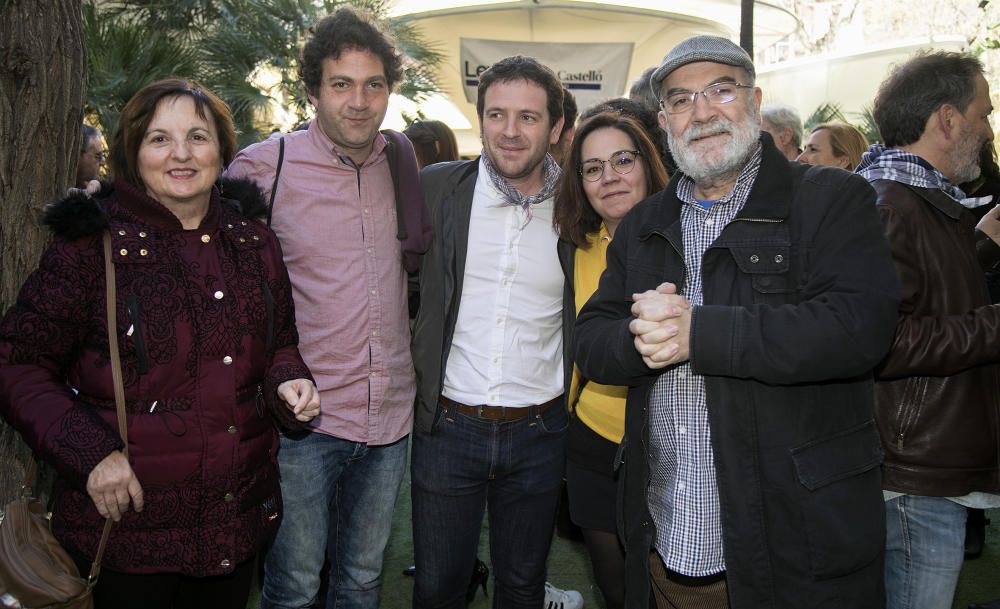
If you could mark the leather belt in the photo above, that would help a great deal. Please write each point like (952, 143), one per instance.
(694, 580)
(497, 413)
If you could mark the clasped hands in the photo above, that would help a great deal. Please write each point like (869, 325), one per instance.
(662, 326)
(113, 485)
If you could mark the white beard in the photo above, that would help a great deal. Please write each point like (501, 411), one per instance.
(720, 161)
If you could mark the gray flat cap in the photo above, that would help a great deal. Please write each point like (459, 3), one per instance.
(701, 48)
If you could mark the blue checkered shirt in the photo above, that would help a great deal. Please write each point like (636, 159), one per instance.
(683, 498)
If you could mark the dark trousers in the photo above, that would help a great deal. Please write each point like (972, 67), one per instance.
(116, 590)
(672, 594)
(466, 465)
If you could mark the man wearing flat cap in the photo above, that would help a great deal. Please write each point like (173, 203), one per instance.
(745, 306)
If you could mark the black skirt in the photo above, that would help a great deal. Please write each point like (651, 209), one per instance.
(591, 481)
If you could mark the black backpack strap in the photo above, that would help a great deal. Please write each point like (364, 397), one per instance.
(393, 158)
(277, 172)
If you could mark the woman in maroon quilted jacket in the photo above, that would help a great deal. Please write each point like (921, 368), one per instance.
(209, 357)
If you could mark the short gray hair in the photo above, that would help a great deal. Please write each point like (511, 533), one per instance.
(642, 93)
(784, 117)
(88, 133)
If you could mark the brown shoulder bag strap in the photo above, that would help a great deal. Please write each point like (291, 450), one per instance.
(116, 376)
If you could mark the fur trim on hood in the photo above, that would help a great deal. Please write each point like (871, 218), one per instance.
(79, 214)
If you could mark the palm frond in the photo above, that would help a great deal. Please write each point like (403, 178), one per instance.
(124, 56)
(868, 126)
(227, 45)
(824, 114)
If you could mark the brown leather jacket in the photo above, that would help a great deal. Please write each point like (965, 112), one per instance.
(938, 390)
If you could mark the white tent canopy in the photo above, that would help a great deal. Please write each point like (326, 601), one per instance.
(651, 26)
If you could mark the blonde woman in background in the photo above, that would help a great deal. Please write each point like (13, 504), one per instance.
(834, 144)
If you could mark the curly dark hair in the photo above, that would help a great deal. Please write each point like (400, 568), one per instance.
(574, 216)
(519, 67)
(347, 29)
(916, 89)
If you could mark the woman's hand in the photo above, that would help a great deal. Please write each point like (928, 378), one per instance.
(112, 484)
(302, 398)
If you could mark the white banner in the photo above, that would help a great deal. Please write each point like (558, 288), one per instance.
(591, 72)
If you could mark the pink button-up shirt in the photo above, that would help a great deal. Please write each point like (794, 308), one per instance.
(337, 227)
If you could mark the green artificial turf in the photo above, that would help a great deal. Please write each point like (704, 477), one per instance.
(569, 566)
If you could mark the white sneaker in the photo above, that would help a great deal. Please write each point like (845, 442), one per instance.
(561, 599)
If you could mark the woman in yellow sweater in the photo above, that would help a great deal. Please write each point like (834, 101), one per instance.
(613, 165)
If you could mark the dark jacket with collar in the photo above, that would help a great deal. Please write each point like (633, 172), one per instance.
(799, 306)
(448, 189)
(206, 330)
(938, 391)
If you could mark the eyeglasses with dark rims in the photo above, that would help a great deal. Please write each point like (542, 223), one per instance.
(719, 93)
(623, 162)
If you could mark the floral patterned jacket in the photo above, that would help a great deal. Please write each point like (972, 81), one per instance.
(206, 332)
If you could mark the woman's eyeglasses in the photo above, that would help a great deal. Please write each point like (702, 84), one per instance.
(622, 162)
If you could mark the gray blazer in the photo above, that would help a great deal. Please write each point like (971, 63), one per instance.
(448, 189)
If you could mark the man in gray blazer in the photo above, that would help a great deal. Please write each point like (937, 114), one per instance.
(489, 351)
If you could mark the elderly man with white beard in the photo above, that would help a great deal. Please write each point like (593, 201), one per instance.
(745, 306)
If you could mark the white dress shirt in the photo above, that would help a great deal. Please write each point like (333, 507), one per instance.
(507, 345)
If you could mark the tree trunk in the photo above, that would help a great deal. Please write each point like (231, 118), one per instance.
(42, 78)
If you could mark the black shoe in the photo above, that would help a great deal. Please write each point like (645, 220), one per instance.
(410, 571)
(480, 573)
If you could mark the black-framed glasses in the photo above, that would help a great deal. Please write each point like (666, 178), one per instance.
(622, 162)
(719, 93)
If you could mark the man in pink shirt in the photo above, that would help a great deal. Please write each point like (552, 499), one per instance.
(342, 229)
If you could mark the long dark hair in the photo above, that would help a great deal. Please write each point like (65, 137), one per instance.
(433, 141)
(574, 216)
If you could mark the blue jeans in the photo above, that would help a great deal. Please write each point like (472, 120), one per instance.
(466, 464)
(339, 498)
(925, 546)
